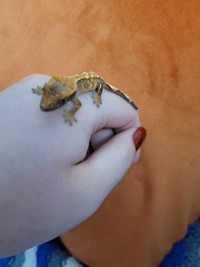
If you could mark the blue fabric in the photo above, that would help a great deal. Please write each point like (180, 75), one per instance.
(44, 253)
(176, 257)
(184, 253)
(50, 254)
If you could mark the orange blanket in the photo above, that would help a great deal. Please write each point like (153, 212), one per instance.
(150, 50)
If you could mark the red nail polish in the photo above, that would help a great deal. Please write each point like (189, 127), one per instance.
(138, 137)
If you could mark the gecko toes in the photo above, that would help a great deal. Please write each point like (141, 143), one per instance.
(69, 117)
(38, 90)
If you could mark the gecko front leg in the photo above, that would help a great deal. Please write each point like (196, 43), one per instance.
(69, 114)
(97, 95)
(39, 90)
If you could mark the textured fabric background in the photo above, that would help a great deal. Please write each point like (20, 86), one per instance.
(184, 253)
(150, 50)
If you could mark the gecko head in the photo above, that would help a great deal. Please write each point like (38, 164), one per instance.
(54, 96)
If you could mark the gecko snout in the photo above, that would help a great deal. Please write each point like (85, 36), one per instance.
(45, 106)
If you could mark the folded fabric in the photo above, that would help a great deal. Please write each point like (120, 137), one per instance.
(53, 253)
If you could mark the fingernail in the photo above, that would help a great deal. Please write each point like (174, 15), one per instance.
(139, 137)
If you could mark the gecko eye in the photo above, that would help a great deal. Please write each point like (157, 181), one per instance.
(62, 101)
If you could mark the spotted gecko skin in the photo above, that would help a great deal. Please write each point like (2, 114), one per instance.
(60, 90)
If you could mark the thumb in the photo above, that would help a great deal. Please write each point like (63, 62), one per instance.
(107, 165)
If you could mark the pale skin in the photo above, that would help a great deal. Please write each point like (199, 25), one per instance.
(47, 184)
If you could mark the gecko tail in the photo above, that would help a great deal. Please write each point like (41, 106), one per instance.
(119, 93)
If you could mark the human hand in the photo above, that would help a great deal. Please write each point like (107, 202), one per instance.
(50, 180)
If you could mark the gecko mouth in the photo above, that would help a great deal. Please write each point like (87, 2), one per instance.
(52, 106)
(46, 108)
(46, 105)
(49, 107)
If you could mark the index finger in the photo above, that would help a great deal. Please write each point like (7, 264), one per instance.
(114, 112)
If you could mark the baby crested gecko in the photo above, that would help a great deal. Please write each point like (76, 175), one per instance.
(60, 90)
